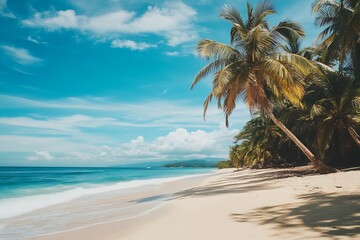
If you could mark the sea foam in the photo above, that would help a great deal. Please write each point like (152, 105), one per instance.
(11, 207)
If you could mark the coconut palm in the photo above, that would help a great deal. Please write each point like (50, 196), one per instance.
(236, 157)
(338, 111)
(262, 139)
(341, 35)
(252, 66)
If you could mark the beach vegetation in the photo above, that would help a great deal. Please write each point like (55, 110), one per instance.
(224, 164)
(305, 102)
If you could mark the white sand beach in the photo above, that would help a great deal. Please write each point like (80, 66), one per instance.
(248, 204)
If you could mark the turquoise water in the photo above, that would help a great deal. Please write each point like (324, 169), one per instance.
(23, 181)
(24, 189)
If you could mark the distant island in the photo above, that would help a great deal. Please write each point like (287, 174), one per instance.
(192, 164)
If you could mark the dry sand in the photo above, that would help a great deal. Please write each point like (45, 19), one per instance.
(249, 204)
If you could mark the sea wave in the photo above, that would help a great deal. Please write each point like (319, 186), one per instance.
(11, 207)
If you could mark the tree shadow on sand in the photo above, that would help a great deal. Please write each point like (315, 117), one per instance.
(330, 215)
(240, 183)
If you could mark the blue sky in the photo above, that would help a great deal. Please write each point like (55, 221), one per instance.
(97, 83)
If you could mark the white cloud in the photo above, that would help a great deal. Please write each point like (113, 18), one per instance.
(196, 142)
(131, 45)
(179, 144)
(172, 53)
(20, 55)
(172, 21)
(41, 155)
(4, 10)
(91, 133)
(176, 145)
(62, 19)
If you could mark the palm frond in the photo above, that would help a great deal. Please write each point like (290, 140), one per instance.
(262, 10)
(319, 4)
(226, 76)
(302, 64)
(211, 67)
(251, 19)
(211, 49)
(288, 29)
(260, 43)
(316, 110)
(231, 14)
(206, 103)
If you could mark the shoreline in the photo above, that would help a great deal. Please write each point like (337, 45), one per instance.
(159, 195)
(118, 202)
(247, 204)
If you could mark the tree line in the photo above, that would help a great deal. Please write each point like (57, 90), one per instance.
(305, 102)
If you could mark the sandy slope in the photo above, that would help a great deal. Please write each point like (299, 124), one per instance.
(252, 205)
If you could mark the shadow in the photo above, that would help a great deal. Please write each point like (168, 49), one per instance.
(243, 181)
(220, 189)
(152, 198)
(330, 215)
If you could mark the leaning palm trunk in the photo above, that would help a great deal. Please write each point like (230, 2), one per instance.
(253, 63)
(318, 165)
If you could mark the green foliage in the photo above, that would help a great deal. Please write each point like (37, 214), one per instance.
(268, 68)
(262, 144)
(252, 62)
(340, 45)
(224, 164)
(336, 113)
(328, 123)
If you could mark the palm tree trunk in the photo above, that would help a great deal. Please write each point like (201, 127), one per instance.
(318, 165)
(354, 136)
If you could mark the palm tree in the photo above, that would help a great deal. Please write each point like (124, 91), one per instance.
(235, 156)
(342, 31)
(252, 65)
(338, 111)
(260, 141)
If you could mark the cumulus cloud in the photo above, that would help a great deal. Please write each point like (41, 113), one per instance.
(172, 21)
(131, 45)
(41, 155)
(20, 55)
(176, 145)
(87, 130)
(179, 144)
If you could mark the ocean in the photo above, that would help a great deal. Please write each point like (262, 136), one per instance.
(24, 190)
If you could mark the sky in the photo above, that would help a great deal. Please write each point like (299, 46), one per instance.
(101, 83)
